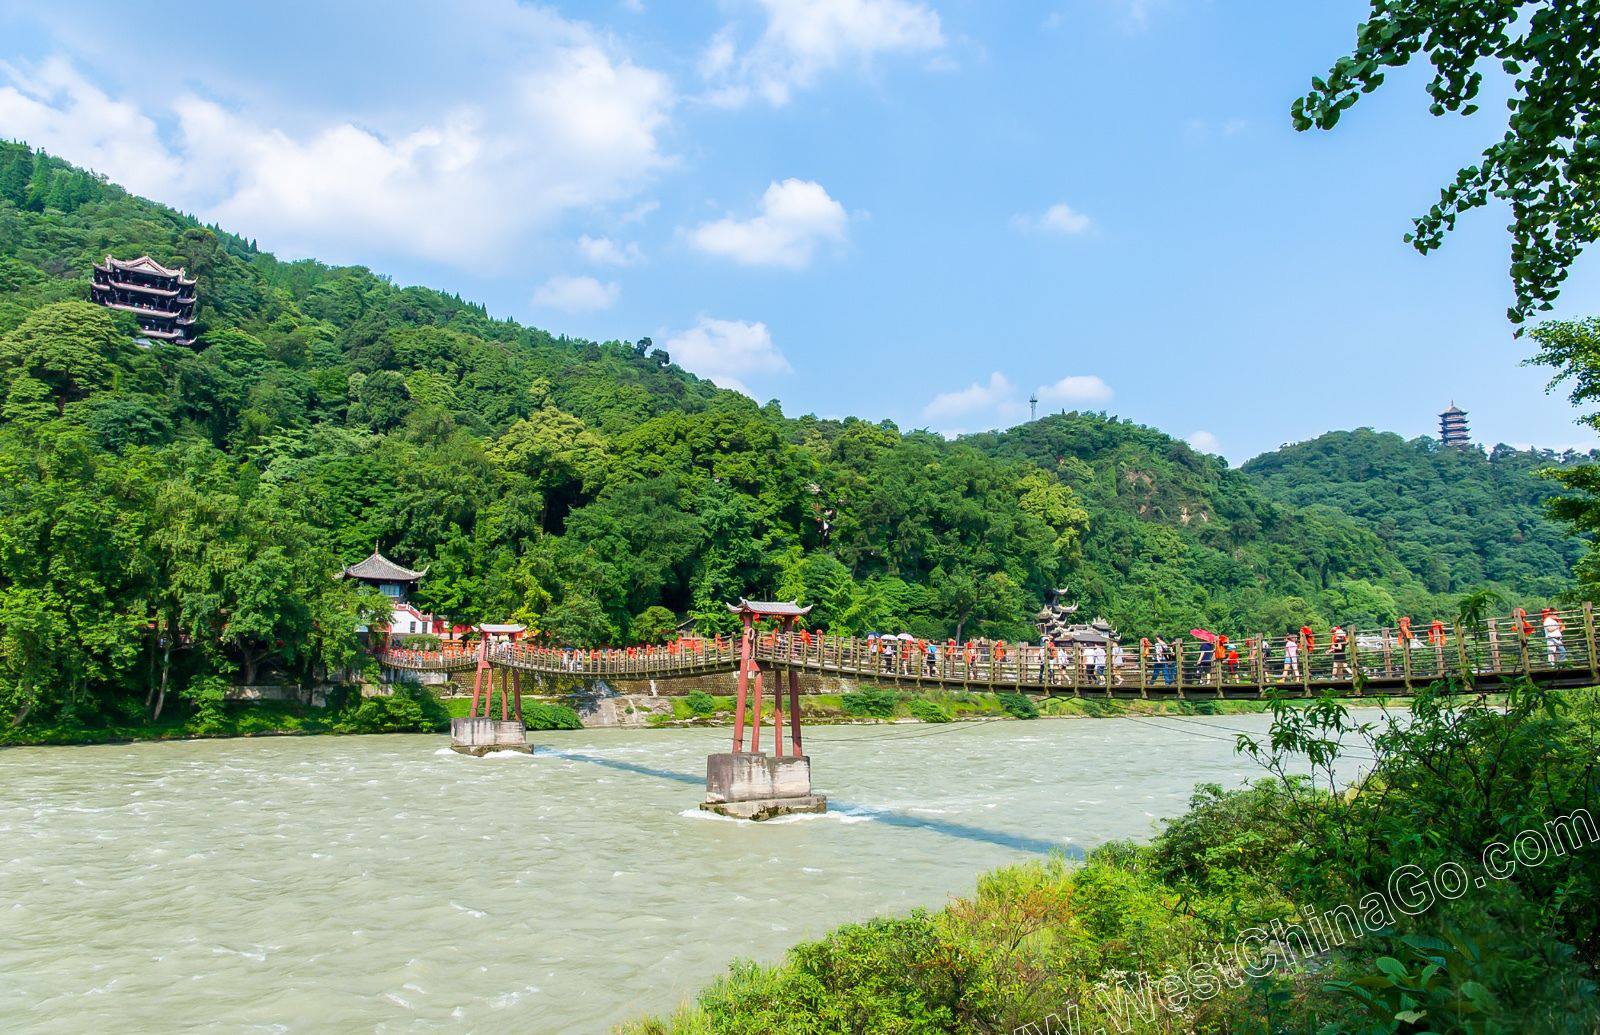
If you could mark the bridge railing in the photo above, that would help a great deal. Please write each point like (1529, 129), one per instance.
(1407, 655)
(427, 660)
(1410, 654)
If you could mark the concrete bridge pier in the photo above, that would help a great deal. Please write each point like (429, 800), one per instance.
(480, 736)
(755, 785)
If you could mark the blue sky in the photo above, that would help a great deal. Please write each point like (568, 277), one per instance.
(917, 209)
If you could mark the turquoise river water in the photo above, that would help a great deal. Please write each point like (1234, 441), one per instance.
(387, 884)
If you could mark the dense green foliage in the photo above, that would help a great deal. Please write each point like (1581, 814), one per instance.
(170, 516)
(1513, 956)
(1176, 538)
(1543, 167)
(1458, 519)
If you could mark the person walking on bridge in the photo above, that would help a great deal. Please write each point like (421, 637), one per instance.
(1161, 652)
(1555, 647)
(1291, 657)
(1337, 641)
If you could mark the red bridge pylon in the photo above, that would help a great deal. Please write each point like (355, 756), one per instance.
(746, 783)
(480, 733)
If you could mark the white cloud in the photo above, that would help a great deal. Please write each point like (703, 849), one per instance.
(796, 217)
(1059, 218)
(570, 126)
(1074, 388)
(56, 108)
(1205, 442)
(805, 38)
(576, 294)
(976, 399)
(727, 352)
(603, 251)
(998, 402)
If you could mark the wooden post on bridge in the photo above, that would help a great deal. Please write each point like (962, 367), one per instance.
(1144, 669)
(1353, 663)
(1522, 644)
(1177, 652)
(1405, 651)
(1588, 640)
(1461, 655)
(1305, 664)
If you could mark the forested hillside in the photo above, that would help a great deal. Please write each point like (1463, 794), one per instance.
(1457, 519)
(158, 499)
(1176, 535)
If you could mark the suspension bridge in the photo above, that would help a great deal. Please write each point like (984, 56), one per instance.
(1554, 648)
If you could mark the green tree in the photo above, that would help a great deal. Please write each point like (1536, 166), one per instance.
(655, 624)
(1543, 168)
(70, 346)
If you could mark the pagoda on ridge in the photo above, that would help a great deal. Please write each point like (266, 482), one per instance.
(1453, 427)
(161, 299)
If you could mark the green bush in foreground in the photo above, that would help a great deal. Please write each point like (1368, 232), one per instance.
(1512, 957)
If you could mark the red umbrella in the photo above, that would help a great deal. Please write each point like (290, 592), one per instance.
(1203, 636)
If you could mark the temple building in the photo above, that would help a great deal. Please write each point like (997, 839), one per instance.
(1453, 427)
(161, 299)
(1056, 623)
(395, 581)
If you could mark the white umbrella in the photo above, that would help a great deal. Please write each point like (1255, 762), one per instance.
(905, 636)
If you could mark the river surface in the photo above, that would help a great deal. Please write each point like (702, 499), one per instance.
(388, 884)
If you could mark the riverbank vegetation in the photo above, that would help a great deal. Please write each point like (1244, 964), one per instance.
(173, 516)
(886, 704)
(409, 709)
(1141, 937)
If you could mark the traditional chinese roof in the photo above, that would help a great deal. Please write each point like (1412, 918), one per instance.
(146, 265)
(379, 568)
(779, 608)
(500, 629)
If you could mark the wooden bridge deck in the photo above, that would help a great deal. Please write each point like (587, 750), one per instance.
(1488, 656)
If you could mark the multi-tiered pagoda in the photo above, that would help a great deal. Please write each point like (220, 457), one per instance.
(1453, 427)
(162, 300)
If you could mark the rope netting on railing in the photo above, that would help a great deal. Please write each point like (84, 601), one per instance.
(1408, 654)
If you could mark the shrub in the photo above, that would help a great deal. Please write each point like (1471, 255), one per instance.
(891, 974)
(410, 709)
(207, 695)
(1020, 706)
(543, 715)
(925, 710)
(700, 703)
(870, 701)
